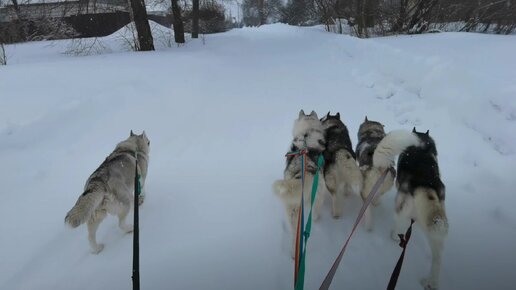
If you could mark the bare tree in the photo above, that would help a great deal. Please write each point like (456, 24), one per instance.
(141, 21)
(179, 30)
(3, 57)
(260, 12)
(195, 18)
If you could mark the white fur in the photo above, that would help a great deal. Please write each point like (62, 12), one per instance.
(310, 130)
(392, 145)
(289, 192)
(371, 175)
(343, 179)
(430, 215)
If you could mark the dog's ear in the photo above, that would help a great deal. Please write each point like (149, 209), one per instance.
(414, 130)
(328, 115)
(314, 114)
(427, 133)
(366, 119)
(143, 134)
(301, 113)
(132, 134)
(338, 115)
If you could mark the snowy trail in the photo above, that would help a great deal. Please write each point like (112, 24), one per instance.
(219, 118)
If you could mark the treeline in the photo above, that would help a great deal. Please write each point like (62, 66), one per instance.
(78, 19)
(384, 17)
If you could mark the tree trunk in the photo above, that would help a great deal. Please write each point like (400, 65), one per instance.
(400, 23)
(421, 15)
(139, 15)
(371, 8)
(195, 18)
(261, 12)
(179, 30)
(361, 18)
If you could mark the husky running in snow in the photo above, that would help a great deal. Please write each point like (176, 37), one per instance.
(420, 190)
(341, 173)
(307, 133)
(110, 188)
(370, 134)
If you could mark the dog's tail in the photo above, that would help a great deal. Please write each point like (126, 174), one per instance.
(83, 208)
(430, 211)
(290, 190)
(392, 145)
(280, 187)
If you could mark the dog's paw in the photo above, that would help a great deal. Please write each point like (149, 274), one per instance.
(336, 213)
(97, 249)
(429, 284)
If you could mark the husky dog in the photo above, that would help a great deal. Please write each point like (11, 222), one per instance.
(110, 188)
(370, 134)
(308, 134)
(420, 190)
(341, 173)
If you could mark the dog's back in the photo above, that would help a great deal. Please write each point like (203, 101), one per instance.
(418, 167)
(369, 134)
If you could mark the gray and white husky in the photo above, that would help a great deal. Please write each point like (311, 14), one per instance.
(307, 133)
(370, 134)
(420, 190)
(110, 188)
(341, 173)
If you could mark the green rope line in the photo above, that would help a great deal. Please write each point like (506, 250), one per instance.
(301, 275)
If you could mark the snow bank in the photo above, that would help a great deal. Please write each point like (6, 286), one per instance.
(219, 117)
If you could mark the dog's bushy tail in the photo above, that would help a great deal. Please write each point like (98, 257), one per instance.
(279, 187)
(392, 145)
(289, 191)
(83, 208)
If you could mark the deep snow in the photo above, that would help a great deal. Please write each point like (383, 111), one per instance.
(219, 118)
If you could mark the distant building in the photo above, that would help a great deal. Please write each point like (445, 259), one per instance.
(61, 9)
(87, 17)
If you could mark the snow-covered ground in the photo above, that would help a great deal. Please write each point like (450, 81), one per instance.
(219, 117)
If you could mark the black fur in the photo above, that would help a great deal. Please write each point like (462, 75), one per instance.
(369, 135)
(311, 162)
(417, 167)
(337, 138)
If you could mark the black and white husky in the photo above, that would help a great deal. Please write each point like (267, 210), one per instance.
(420, 190)
(370, 134)
(307, 134)
(341, 173)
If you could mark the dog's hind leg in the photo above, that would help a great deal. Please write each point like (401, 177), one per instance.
(93, 224)
(336, 204)
(368, 218)
(294, 213)
(432, 219)
(316, 211)
(332, 187)
(436, 241)
(121, 219)
(403, 212)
